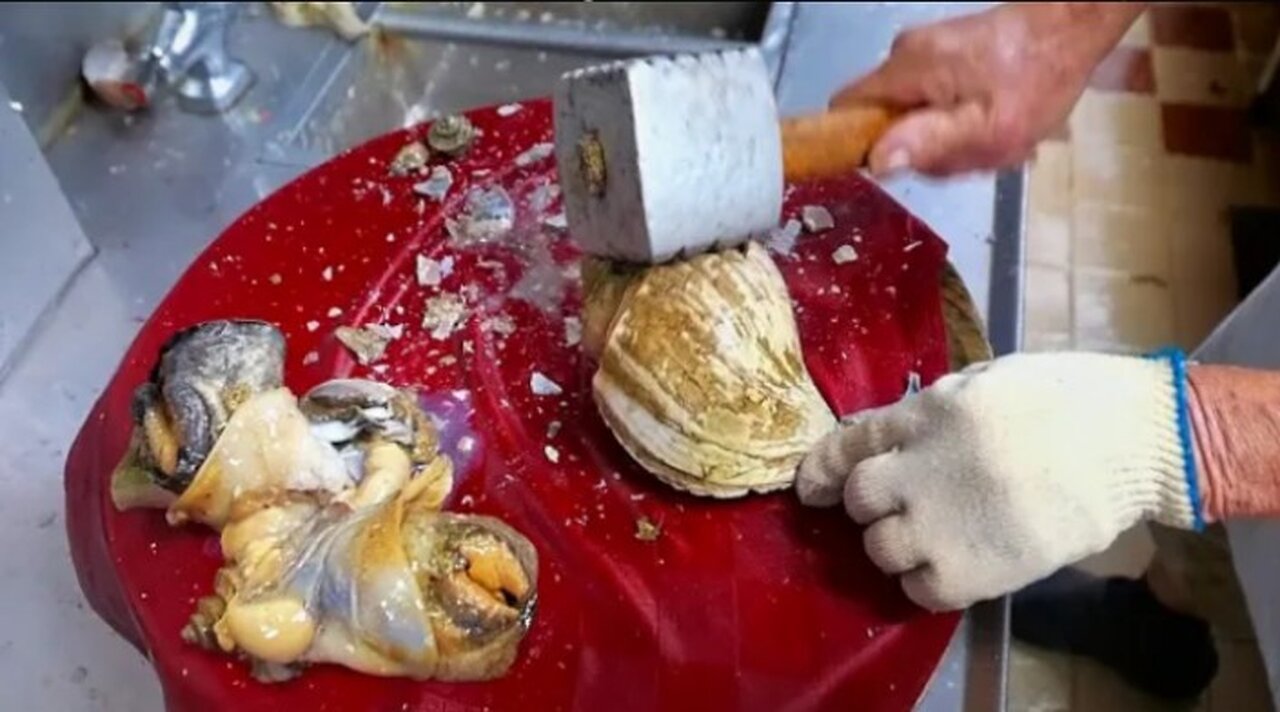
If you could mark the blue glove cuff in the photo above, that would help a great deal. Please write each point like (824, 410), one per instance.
(1178, 363)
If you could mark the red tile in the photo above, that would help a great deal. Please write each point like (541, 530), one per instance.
(1192, 26)
(1207, 132)
(1125, 69)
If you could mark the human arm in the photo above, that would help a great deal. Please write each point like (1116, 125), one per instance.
(997, 476)
(1235, 417)
(983, 89)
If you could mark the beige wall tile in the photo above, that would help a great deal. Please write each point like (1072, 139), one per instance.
(1197, 311)
(1050, 177)
(1120, 238)
(1197, 77)
(1121, 313)
(1048, 300)
(1117, 119)
(1202, 269)
(1139, 34)
(1200, 246)
(1039, 680)
(1200, 184)
(1114, 175)
(1049, 236)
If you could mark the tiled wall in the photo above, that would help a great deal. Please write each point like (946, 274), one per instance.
(1128, 239)
(1129, 249)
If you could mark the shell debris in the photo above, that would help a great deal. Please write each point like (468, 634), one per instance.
(541, 197)
(451, 135)
(535, 153)
(572, 331)
(543, 386)
(816, 218)
(500, 324)
(783, 239)
(411, 158)
(844, 254)
(389, 332)
(489, 215)
(552, 454)
(366, 345)
(509, 109)
(647, 530)
(431, 272)
(437, 185)
(443, 315)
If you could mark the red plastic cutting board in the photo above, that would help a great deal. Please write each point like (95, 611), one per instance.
(754, 604)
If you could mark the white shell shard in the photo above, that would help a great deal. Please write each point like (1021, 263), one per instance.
(543, 386)
(367, 345)
(701, 376)
(816, 218)
(443, 315)
(536, 152)
(489, 215)
(431, 272)
(437, 185)
(844, 254)
(783, 239)
(572, 331)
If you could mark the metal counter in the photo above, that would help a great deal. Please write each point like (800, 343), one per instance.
(151, 191)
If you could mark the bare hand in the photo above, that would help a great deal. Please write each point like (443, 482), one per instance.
(984, 89)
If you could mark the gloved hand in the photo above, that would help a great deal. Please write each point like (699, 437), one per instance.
(999, 475)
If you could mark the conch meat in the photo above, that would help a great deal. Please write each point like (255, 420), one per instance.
(334, 544)
(700, 374)
(204, 374)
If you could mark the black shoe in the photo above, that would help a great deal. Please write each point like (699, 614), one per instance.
(1119, 623)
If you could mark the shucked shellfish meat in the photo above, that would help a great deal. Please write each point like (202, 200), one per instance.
(370, 575)
(700, 374)
(204, 374)
(399, 588)
(335, 549)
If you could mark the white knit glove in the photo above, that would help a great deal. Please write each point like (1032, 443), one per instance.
(999, 475)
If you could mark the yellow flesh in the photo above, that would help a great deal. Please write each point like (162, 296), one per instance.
(162, 443)
(277, 630)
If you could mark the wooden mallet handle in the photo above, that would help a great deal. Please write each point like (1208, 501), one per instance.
(831, 143)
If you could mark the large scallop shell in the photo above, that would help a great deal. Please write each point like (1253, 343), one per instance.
(700, 373)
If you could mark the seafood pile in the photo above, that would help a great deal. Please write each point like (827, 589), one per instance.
(700, 373)
(335, 545)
